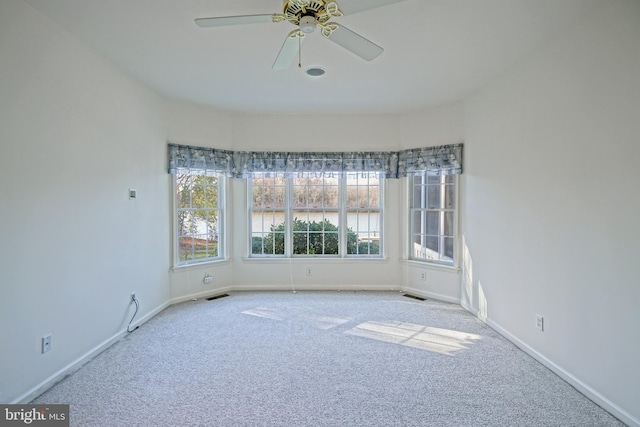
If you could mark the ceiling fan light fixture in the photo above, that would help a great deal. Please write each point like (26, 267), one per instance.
(307, 24)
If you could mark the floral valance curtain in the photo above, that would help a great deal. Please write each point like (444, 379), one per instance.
(443, 160)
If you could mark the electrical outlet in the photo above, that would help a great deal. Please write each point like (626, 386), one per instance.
(308, 271)
(208, 279)
(46, 343)
(133, 296)
(423, 276)
(540, 322)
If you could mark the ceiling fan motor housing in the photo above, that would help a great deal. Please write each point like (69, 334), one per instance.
(296, 10)
(307, 24)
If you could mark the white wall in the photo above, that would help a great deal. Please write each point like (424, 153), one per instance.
(551, 205)
(75, 135)
(207, 127)
(312, 133)
(439, 126)
(202, 127)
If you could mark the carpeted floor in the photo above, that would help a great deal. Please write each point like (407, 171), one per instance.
(319, 359)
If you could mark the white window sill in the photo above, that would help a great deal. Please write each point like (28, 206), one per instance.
(203, 264)
(302, 260)
(433, 266)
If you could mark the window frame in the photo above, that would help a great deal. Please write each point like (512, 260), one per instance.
(412, 210)
(341, 212)
(274, 210)
(221, 220)
(369, 209)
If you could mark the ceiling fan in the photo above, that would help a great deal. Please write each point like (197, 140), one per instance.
(306, 15)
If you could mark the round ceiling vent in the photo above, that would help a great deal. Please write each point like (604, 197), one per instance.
(315, 71)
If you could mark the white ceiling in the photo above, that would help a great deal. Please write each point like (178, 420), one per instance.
(436, 51)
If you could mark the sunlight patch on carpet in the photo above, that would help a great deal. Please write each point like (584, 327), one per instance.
(266, 313)
(316, 320)
(443, 341)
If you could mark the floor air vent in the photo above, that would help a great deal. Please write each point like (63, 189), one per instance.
(415, 297)
(217, 297)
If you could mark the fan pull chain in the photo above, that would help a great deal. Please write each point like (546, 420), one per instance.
(299, 52)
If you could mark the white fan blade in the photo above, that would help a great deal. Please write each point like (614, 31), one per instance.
(355, 43)
(233, 20)
(350, 7)
(288, 52)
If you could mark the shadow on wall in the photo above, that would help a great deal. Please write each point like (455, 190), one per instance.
(473, 297)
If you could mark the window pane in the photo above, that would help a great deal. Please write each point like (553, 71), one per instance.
(315, 196)
(199, 246)
(316, 211)
(363, 244)
(363, 191)
(257, 195)
(212, 247)
(267, 228)
(183, 198)
(210, 180)
(432, 244)
(186, 245)
(432, 223)
(418, 198)
(449, 196)
(268, 244)
(211, 197)
(448, 248)
(364, 222)
(374, 196)
(434, 226)
(301, 243)
(212, 224)
(331, 220)
(330, 242)
(276, 246)
(300, 196)
(434, 196)
(367, 247)
(301, 221)
(198, 216)
(417, 222)
(183, 223)
(331, 199)
(267, 221)
(447, 228)
(278, 198)
(268, 197)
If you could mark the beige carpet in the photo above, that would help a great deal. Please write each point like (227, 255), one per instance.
(319, 359)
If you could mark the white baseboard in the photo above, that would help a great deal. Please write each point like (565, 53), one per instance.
(198, 295)
(470, 309)
(575, 382)
(82, 360)
(432, 295)
(316, 287)
(297, 288)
